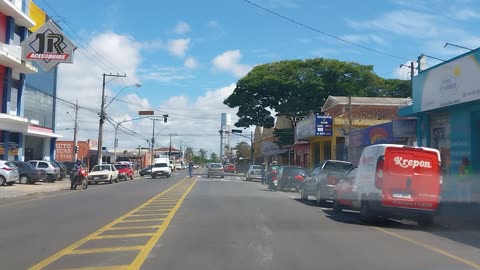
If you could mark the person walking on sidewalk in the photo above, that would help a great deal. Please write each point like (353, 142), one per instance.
(465, 181)
(190, 168)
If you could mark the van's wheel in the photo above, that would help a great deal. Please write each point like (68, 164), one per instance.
(366, 212)
(24, 179)
(337, 208)
(319, 200)
(426, 221)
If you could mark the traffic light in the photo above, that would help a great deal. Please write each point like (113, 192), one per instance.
(165, 116)
(75, 148)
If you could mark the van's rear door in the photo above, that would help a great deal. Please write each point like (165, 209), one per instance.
(411, 178)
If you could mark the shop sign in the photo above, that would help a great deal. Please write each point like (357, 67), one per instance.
(323, 125)
(13, 149)
(48, 46)
(305, 128)
(2, 149)
(372, 135)
(449, 84)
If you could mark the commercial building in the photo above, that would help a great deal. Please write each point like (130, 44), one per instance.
(446, 103)
(27, 93)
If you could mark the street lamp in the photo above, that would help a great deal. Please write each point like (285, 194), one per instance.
(238, 132)
(115, 141)
(121, 90)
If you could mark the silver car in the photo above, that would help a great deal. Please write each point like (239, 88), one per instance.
(52, 170)
(254, 172)
(215, 169)
(8, 173)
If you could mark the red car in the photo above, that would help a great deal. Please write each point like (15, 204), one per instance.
(125, 171)
(229, 168)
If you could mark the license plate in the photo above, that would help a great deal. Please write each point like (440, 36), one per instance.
(401, 196)
(96, 178)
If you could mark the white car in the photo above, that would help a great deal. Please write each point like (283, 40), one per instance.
(103, 173)
(8, 173)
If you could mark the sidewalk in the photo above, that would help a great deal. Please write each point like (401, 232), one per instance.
(21, 190)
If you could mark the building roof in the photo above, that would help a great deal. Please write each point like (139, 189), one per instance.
(370, 101)
(166, 149)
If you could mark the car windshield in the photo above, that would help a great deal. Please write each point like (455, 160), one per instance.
(160, 165)
(337, 166)
(121, 166)
(256, 167)
(294, 171)
(216, 166)
(101, 168)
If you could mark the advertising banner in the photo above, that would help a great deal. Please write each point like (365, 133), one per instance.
(323, 125)
(2, 149)
(13, 149)
(48, 46)
(64, 151)
(305, 128)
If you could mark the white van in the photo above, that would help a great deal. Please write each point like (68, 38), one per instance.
(393, 181)
(161, 167)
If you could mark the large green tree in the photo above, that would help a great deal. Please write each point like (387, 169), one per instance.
(297, 87)
(213, 157)
(243, 150)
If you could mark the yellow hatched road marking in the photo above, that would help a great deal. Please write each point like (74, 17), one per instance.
(115, 236)
(149, 215)
(140, 220)
(101, 250)
(142, 256)
(134, 227)
(155, 210)
(113, 267)
(82, 241)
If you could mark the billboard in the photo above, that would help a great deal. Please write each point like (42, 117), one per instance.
(314, 125)
(323, 125)
(48, 46)
(454, 82)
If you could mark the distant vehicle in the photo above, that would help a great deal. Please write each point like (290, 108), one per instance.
(196, 166)
(28, 174)
(103, 173)
(178, 166)
(230, 168)
(215, 169)
(125, 171)
(161, 168)
(291, 177)
(63, 169)
(52, 169)
(321, 182)
(393, 181)
(254, 172)
(146, 171)
(8, 173)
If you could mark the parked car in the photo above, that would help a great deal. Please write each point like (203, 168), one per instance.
(28, 174)
(146, 171)
(51, 169)
(178, 166)
(393, 181)
(230, 168)
(63, 169)
(254, 172)
(321, 182)
(291, 177)
(8, 173)
(125, 171)
(215, 169)
(103, 173)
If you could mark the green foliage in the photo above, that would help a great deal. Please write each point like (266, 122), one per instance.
(243, 150)
(213, 157)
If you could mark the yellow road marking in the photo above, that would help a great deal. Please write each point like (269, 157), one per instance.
(148, 215)
(75, 245)
(99, 250)
(115, 267)
(432, 248)
(134, 227)
(142, 256)
(140, 220)
(114, 236)
(155, 210)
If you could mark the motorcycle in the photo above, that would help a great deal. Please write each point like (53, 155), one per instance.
(79, 178)
(273, 181)
(275, 184)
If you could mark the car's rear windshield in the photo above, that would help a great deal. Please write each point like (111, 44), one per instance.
(293, 171)
(28, 165)
(121, 166)
(10, 164)
(216, 165)
(337, 166)
(160, 165)
(256, 167)
(100, 168)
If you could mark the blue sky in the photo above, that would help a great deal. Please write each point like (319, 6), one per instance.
(185, 52)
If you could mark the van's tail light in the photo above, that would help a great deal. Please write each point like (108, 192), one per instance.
(332, 180)
(379, 173)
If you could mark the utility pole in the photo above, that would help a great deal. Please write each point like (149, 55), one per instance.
(221, 145)
(153, 142)
(251, 148)
(75, 130)
(350, 119)
(102, 117)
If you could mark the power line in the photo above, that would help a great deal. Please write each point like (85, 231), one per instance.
(322, 32)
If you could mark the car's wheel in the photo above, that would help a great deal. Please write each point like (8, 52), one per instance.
(154, 176)
(116, 179)
(24, 179)
(110, 181)
(320, 201)
(131, 177)
(49, 178)
(337, 208)
(366, 212)
(222, 176)
(2, 180)
(304, 195)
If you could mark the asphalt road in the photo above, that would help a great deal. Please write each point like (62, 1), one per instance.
(214, 223)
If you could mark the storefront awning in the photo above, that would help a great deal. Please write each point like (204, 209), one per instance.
(42, 132)
(13, 123)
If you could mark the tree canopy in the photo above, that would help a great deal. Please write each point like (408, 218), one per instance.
(243, 150)
(297, 87)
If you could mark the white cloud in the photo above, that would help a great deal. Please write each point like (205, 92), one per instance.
(403, 71)
(365, 38)
(191, 63)
(182, 28)
(465, 14)
(165, 74)
(229, 61)
(178, 47)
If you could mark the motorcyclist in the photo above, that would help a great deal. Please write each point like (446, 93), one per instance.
(273, 171)
(75, 172)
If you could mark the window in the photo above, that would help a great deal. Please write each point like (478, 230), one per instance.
(160, 165)
(42, 165)
(316, 171)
